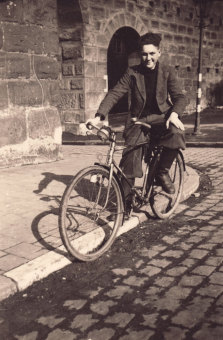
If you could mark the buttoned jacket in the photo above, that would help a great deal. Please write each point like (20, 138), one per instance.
(168, 92)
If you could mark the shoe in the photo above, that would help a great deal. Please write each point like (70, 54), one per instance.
(164, 180)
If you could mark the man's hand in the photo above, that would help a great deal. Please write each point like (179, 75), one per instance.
(173, 118)
(83, 130)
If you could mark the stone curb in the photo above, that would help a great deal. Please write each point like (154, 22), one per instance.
(25, 275)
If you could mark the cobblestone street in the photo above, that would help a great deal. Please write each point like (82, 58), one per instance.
(171, 288)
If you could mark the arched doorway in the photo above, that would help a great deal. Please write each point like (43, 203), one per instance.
(122, 52)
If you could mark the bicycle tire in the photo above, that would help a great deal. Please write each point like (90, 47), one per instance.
(86, 226)
(163, 205)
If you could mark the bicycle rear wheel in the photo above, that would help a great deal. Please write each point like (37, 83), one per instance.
(90, 216)
(163, 204)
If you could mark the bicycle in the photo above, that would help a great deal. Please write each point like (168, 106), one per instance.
(95, 194)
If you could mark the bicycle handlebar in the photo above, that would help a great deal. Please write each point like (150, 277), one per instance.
(104, 132)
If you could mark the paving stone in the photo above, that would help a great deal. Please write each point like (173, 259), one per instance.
(102, 307)
(102, 334)
(172, 333)
(139, 335)
(150, 320)
(121, 271)
(51, 320)
(120, 319)
(192, 314)
(164, 281)
(211, 290)
(216, 316)
(83, 321)
(25, 250)
(58, 334)
(219, 252)
(176, 271)
(160, 263)
(172, 253)
(208, 246)
(9, 262)
(28, 336)
(214, 261)
(191, 281)
(74, 304)
(207, 332)
(139, 263)
(203, 270)
(119, 291)
(170, 240)
(135, 281)
(185, 246)
(150, 271)
(216, 278)
(198, 253)
(188, 263)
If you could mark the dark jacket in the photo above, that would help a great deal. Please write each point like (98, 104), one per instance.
(169, 98)
(168, 93)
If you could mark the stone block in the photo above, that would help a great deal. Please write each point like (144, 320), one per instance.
(119, 4)
(42, 122)
(93, 99)
(2, 65)
(11, 11)
(77, 84)
(173, 27)
(95, 84)
(155, 23)
(25, 93)
(68, 100)
(50, 41)
(3, 95)
(79, 68)
(73, 34)
(68, 69)
(1, 38)
(20, 38)
(90, 53)
(102, 55)
(97, 12)
(72, 52)
(90, 69)
(68, 116)
(41, 12)
(13, 129)
(46, 68)
(101, 69)
(17, 65)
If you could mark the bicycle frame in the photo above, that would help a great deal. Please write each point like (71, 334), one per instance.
(110, 164)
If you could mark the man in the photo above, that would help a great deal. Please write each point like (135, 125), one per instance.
(154, 96)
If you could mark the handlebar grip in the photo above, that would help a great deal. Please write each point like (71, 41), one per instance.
(89, 126)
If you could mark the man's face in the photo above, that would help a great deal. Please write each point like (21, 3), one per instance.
(150, 54)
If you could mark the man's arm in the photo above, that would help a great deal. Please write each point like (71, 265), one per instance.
(178, 99)
(114, 95)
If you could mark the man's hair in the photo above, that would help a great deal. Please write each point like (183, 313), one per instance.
(149, 38)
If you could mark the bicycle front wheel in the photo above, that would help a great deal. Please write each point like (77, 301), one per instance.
(163, 205)
(90, 213)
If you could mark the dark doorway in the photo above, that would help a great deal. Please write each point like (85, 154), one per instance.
(122, 52)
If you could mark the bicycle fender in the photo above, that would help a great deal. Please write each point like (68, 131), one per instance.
(180, 153)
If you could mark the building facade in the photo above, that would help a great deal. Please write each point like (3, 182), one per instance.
(58, 59)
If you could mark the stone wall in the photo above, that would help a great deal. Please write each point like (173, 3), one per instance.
(29, 70)
(175, 20)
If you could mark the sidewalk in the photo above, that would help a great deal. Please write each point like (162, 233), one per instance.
(30, 245)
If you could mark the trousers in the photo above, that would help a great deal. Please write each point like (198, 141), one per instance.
(171, 139)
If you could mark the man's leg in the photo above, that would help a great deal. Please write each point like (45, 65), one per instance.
(166, 160)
